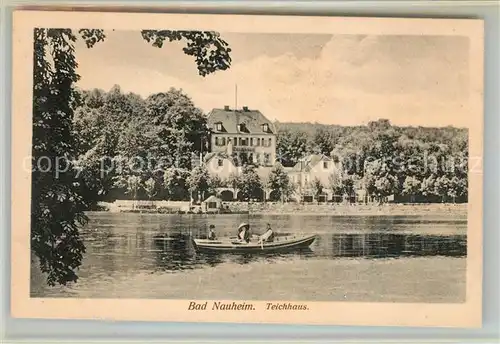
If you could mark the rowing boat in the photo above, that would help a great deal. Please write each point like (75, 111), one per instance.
(233, 245)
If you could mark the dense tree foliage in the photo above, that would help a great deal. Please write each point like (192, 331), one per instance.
(249, 184)
(200, 183)
(62, 188)
(122, 135)
(279, 183)
(419, 163)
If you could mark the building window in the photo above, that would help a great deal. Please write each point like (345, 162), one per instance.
(257, 158)
(219, 126)
(220, 162)
(265, 128)
(244, 141)
(220, 141)
(325, 164)
(267, 158)
(270, 142)
(258, 141)
(235, 142)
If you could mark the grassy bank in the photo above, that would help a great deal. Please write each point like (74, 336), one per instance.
(270, 208)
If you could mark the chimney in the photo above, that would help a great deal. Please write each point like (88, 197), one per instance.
(226, 107)
(245, 108)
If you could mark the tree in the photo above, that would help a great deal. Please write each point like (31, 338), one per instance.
(180, 127)
(96, 171)
(317, 188)
(455, 188)
(385, 186)
(291, 147)
(279, 183)
(427, 187)
(249, 183)
(175, 184)
(348, 185)
(378, 179)
(199, 182)
(442, 186)
(150, 188)
(108, 124)
(58, 203)
(134, 185)
(233, 181)
(335, 184)
(324, 141)
(411, 187)
(215, 182)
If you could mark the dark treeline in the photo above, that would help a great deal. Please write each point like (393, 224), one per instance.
(130, 147)
(418, 163)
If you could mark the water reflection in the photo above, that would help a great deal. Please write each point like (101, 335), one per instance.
(139, 255)
(384, 245)
(176, 252)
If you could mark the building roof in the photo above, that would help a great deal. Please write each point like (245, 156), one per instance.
(219, 155)
(307, 163)
(253, 121)
(213, 199)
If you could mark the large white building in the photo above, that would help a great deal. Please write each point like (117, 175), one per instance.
(245, 136)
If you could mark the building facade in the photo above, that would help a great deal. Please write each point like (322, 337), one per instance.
(311, 168)
(245, 135)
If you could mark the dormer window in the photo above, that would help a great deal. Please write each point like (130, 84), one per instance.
(265, 127)
(242, 127)
(218, 126)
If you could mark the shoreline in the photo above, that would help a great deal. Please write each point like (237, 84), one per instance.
(276, 209)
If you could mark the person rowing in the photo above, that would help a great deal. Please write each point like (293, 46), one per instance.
(244, 233)
(268, 236)
(211, 233)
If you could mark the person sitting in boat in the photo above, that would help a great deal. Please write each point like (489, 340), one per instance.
(268, 236)
(211, 233)
(244, 233)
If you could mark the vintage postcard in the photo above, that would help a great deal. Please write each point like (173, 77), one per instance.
(249, 169)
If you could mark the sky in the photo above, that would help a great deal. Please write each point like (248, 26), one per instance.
(331, 79)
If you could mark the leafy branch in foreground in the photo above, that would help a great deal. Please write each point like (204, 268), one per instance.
(58, 195)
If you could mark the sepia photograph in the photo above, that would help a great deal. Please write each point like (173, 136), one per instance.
(258, 169)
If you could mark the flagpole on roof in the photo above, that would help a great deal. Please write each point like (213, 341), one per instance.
(235, 97)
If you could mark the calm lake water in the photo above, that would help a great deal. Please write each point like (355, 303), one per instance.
(358, 258)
